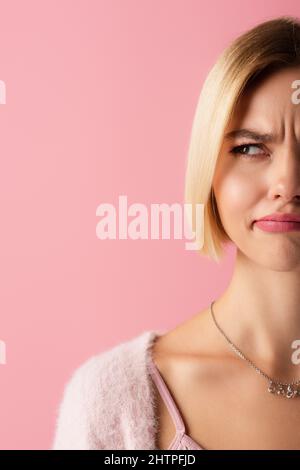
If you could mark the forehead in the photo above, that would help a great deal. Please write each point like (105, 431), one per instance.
(269, 99)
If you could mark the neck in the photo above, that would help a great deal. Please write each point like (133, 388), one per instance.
(260, 313)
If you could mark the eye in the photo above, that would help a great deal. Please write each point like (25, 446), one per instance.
(240, 149)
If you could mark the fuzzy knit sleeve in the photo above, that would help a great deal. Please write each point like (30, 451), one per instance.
(108, 401)
(78, 421)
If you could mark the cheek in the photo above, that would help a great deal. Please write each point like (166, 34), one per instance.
(236, 195)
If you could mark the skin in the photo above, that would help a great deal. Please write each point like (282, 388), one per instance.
(223, 401)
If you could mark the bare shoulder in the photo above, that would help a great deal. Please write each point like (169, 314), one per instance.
(187, 342)
(193, 353)
(180, 356)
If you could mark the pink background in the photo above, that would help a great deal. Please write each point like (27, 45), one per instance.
(100, 101)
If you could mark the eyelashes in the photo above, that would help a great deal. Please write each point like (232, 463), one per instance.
(238, 150)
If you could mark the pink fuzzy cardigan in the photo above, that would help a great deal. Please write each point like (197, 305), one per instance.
(108, 403)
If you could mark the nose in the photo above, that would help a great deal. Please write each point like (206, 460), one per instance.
(286, 177)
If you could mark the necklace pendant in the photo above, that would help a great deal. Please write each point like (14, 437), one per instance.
(286, 391)
(291, 392)
(272, 387)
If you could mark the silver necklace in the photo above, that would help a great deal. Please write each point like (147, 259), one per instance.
(287, 390)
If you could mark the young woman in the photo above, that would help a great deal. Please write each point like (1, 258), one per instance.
(226, 378)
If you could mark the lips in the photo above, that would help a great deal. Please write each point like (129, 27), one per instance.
(281, 217)
(279, 222)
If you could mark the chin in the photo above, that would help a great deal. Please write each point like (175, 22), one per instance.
(275, 260)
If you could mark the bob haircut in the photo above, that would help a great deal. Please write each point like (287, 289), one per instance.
(270, 46)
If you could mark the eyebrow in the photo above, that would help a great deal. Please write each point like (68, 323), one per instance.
(248, 133)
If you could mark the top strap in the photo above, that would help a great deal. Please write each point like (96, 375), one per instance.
(167, 397)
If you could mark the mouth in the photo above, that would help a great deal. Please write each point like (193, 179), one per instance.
(282, 217)
(277, 225)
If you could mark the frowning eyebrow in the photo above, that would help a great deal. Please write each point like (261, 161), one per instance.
(249, 134)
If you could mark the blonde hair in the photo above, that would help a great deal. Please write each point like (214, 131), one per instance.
(271, 45)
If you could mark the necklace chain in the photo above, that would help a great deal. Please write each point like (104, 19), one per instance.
(287, 390)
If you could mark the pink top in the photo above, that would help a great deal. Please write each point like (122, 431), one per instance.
(181, 440)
